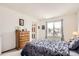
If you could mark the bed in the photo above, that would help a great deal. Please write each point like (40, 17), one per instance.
(46, 47)
(74, 46)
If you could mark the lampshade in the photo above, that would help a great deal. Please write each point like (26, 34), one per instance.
(75, 33)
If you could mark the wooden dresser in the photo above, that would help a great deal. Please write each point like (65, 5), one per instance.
(22, 37)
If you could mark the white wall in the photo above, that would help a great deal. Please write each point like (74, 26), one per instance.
(0, 45)
(78, 20)
(69, 25)
(9, 19)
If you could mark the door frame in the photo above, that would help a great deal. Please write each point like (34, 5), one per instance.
(62, 38)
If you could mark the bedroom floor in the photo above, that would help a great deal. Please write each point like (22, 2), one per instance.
(12, 53)
(17, 53)
(72, 53)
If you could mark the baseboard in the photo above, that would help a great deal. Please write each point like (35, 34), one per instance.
(8, 50)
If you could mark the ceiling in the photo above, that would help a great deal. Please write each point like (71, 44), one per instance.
(43, 10)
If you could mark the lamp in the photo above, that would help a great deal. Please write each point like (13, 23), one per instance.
(75, 34)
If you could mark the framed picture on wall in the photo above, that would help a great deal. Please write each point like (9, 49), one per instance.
(43, 27)
(38, 27)
(21, 22)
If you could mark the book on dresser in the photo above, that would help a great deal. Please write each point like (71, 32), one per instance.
(22, 37)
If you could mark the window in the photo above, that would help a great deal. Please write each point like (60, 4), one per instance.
(54, 29)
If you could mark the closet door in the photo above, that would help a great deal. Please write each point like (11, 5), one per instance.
(34, 31)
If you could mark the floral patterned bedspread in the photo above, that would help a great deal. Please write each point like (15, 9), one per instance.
(46, 48)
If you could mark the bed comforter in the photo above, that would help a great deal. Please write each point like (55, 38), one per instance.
(46, 48)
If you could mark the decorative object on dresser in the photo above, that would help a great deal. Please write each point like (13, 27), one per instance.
(22, 37)
(75, 34)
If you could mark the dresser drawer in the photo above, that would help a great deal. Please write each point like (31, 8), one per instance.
(23, 43)
(24, 33)
(24, 38)
(22, 46)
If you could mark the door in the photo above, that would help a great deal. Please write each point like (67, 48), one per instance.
(54, 30)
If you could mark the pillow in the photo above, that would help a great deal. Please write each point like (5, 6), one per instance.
(74, 44)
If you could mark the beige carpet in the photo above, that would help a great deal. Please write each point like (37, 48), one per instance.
(12, 53)
(18, 52)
